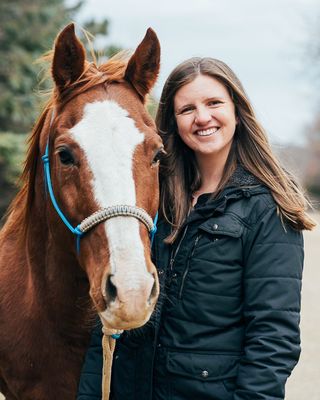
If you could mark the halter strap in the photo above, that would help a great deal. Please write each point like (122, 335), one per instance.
(100, 215)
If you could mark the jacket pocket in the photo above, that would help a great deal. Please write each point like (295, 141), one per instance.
(216, 252)
(205, 367)
(225, 225)
(201, 376)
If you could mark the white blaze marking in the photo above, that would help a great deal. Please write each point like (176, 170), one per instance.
(109, 137)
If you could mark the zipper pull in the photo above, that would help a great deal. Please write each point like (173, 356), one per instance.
(194, 246)
(171, 264)
(196, 242)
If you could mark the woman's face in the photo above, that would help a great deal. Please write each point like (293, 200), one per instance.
(205, 115)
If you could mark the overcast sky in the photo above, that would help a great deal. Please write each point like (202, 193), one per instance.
(264, 41)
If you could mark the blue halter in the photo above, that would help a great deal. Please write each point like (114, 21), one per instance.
(116, 210)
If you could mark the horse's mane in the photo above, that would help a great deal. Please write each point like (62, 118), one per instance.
(111, 71)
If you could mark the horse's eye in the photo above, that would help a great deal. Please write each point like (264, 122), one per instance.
(158, 156)
(66, 156)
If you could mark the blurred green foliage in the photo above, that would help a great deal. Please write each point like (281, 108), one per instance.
(27, 31)
(152, 106)
(12, 150)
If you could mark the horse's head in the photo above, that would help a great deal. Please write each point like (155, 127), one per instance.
(104, 152)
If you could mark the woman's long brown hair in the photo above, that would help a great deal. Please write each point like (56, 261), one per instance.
(179, 174)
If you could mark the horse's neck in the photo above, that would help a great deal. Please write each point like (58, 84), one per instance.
(56, 271)
(45, 311)
(44, 270)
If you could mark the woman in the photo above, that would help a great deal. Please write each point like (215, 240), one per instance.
(229, 253)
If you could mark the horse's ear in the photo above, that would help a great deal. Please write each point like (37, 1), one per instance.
(68, 59)
(143, 67)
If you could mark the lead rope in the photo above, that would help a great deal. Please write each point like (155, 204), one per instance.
(110, 337)
(108, 345)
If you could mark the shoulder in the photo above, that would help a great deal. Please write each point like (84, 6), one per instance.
(252, 198)
(257, 212)
(252, 203)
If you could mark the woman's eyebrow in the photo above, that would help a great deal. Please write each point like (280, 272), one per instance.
(215, 98)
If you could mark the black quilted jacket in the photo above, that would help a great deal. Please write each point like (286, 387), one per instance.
(227, 321)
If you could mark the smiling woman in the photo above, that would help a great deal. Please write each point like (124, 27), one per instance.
(229, 254)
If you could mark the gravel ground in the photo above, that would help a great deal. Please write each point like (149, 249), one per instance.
(304, 381)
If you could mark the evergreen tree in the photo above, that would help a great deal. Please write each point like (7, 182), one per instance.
(27, 31)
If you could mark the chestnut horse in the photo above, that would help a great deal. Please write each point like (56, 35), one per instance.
(102, 149)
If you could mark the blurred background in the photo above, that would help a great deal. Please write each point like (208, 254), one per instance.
(272, 45)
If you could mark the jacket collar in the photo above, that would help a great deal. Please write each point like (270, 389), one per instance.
(241, 184)
(241, 177)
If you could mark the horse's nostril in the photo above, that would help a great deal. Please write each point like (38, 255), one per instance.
(111, 289)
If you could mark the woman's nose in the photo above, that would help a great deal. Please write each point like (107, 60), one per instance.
(202, 116)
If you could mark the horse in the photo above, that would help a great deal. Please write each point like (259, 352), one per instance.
(101, 153)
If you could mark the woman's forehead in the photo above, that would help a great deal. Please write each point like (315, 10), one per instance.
(201, 88)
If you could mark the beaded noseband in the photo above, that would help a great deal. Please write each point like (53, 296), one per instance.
(100, 215)
(114, 211)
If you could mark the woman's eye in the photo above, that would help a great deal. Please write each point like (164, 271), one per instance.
(186, 110)
(66, 157)
(158, 156)
(214, 103)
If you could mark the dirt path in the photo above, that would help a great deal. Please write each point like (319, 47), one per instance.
(304, 382)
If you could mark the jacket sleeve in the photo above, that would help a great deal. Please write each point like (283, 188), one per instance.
(273, 261)
(90, 385)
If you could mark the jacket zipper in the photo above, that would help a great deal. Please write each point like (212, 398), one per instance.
(172, 259)
(174, 254)
(185, 272)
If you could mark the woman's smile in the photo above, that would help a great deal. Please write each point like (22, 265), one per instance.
(206, 132)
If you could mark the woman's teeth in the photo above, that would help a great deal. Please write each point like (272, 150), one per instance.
(207, 132)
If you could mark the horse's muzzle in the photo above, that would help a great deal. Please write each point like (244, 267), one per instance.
(129, 299)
